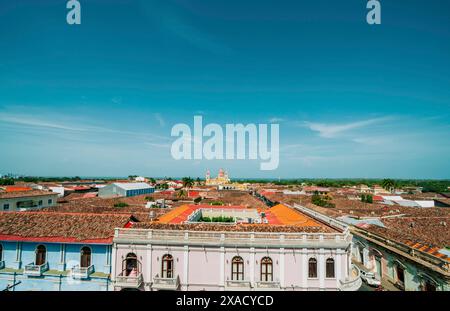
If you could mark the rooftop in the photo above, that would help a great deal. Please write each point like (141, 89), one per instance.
(133, 185)
(23, 194)
(60, 227)
(280, 216)
(408, 225)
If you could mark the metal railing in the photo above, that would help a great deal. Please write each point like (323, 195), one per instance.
(82, 272)
(37, 270)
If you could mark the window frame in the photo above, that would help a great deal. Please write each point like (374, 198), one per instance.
(81, 256)
(37, 252)
(266, 264)
(327, 266)
(238, 262)
(166, 271)
(312, 260)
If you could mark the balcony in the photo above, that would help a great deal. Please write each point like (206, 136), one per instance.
(129, 281)
(267, 285)
(82, 272)
(238, 285)
(353, 282)
(35, 270)
(166, 283)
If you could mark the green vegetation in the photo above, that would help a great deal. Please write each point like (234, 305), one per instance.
(322, 200)
(181, 194)
(121, 204)
(367, 198)
(188, 182)
(427, 184)
(216, 203)
(197, 199)
(162, 186)
(217, 219)
(388, 184)
(32, 179)
(151, 199)
(6, 181)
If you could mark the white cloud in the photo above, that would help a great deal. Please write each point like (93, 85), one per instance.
(31, 121)
(333, 130)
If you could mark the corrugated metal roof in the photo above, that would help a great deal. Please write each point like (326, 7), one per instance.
(133, 185)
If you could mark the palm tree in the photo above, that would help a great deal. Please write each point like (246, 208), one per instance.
(388, 184)
(181, 194)
(188, 182)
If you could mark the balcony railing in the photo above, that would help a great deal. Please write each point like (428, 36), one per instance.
(2, 264)
(267, 285)
(82, 272)
(353, 282)
(238, 284)
(35, 270)
(128, 281)
(232, 238)
(166, 283)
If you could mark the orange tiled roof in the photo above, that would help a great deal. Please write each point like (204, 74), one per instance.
(287, 216)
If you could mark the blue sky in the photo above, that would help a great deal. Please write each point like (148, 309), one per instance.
(100, 98)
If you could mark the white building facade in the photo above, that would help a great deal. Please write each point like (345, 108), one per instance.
(146, 259)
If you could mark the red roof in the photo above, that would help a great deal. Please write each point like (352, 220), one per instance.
(15, 188)
(59, 239)
(193, 194)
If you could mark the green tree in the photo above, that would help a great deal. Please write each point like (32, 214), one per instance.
(181, 194)
(6, 181)
(388, 184)
(197, 200)
(188, 182)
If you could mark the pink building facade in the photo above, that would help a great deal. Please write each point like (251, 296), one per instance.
(146, 259)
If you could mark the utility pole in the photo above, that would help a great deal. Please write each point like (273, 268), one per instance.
(14, 284)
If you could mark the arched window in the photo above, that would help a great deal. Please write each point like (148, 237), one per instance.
(266, 270)
(130, 265)
(41, 253)
(237, 269)
(85, 260)
(312, 268)
(361, 254)
(167, 267)
(428, 284)
(400, 274)
(329, 271)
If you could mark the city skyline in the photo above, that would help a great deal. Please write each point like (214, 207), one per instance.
(100, 98)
